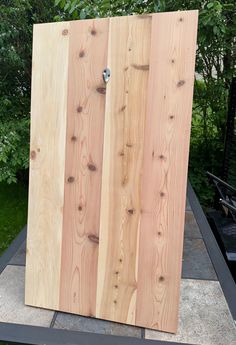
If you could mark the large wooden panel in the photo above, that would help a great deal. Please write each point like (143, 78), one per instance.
(165, 165)
(128, 58)
(83, 169)
(47, 162)
(109, 166)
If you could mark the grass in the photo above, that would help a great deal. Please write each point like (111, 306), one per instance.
(13, 212)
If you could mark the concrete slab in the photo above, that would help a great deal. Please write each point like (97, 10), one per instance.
(19, 257)
(204, 316)
(87, 324)
(12, 307)
(196, 261)
(191, 228)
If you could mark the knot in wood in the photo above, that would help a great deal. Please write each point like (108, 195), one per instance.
(79, 109)
(70, 179)
(180, 83)
(32, 154)
(81, 53)
(64, 32)
(92, 167)
(130, 211)
(101, 90)
(93, 238)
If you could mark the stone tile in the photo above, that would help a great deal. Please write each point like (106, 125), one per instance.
(191, 228)
(12, 307)
(196, 261)
(204, 316)
(87, 324)
(19, 257)
(188, 207)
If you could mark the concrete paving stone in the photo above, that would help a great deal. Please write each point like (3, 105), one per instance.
(188, 207)
(204, 319)
(19, 257)
(87, 324)
(12, 307)
(191, 228)
(196, 261)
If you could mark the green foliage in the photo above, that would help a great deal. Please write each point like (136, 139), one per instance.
(13, 148)
(81, 9)
(13, 201)
(215, 65)
(16, 21)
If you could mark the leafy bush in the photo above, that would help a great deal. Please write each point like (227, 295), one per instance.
(13, 148)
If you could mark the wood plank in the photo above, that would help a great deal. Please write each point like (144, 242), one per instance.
(83, 169)
(108, 166)
(47, 162)
(128, 59)
(170, 89)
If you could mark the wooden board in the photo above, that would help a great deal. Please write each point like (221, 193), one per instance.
(109, 166)
(166, 148)
(83, 169)
(47, 164)
(123, 149)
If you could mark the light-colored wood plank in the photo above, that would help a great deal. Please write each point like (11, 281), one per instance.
(128, 59)
(83, 170)
(170, 88)
(105, 227)
(47, 162)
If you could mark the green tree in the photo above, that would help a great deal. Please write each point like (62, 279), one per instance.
(215, 66)
(16, 21)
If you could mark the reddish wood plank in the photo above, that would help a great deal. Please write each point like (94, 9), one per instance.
(128, 58)
(83, 168)
(168, 121)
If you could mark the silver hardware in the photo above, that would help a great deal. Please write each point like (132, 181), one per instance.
(106, 75)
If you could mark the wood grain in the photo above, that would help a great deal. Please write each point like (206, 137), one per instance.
(128, 59)
(165, 164)
(83, 166)
(47, 161)
(108, 166)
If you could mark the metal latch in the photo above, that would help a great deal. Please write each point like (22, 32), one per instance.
(106, 75)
